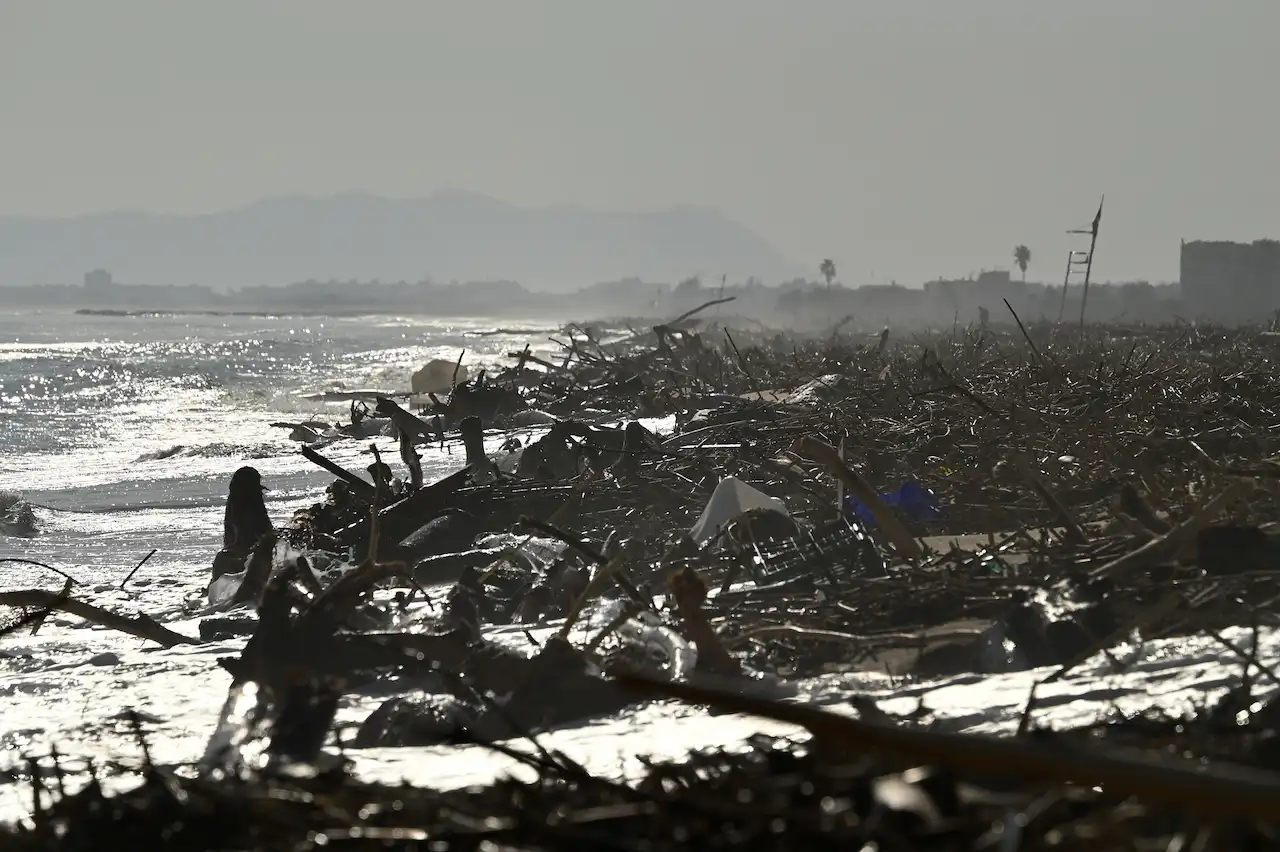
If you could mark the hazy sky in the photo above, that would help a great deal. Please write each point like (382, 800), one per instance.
(905, 139)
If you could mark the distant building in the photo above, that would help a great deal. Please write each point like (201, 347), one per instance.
(886, 299)
(1232, 282)
(988, 290)
(98, 279)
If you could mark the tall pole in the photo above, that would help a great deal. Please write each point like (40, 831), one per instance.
(1088, 264)
(839, 483)
(1066, 279)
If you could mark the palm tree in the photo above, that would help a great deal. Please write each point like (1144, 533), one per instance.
(828, 270)
(1022, 257)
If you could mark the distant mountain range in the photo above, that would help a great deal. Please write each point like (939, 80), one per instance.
(449, 235)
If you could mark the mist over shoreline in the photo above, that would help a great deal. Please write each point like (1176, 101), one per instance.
(446, 236)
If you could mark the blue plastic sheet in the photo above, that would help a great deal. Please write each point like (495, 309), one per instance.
(913, 500)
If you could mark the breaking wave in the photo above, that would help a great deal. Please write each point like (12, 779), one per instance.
(212, 451)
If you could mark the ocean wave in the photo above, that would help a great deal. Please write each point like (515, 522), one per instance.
(216, 450)
(17, 517)
(254, 366)
(82, 382)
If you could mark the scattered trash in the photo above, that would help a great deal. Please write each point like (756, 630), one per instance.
(915, 501)
(605, 563)
(731, 498)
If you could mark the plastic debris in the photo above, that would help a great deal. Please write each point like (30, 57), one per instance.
(731, 498)
(912, 499)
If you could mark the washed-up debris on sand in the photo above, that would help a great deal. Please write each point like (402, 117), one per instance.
(985, 500)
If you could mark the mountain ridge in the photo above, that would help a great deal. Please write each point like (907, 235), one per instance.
(448, 235)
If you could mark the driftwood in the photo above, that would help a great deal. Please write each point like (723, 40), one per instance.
(141, 626)
(873, 640)
(360, 487)
(257, 572)
(1236, 793)
(827, 456)
(1092, 525)
(691, 593)
(405, 422)
(1164, 546)
(407, 514)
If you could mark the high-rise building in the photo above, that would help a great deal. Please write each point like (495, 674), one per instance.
(1231, 282)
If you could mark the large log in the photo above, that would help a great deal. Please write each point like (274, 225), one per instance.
(143, 626)
(405, 516)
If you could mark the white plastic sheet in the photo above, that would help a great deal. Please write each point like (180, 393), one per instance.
(731, 498)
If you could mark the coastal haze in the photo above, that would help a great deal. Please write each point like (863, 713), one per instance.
(253, 205)
(230, 144)
(447, 236)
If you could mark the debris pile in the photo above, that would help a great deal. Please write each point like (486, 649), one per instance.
(893, 783)
(984, 500)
